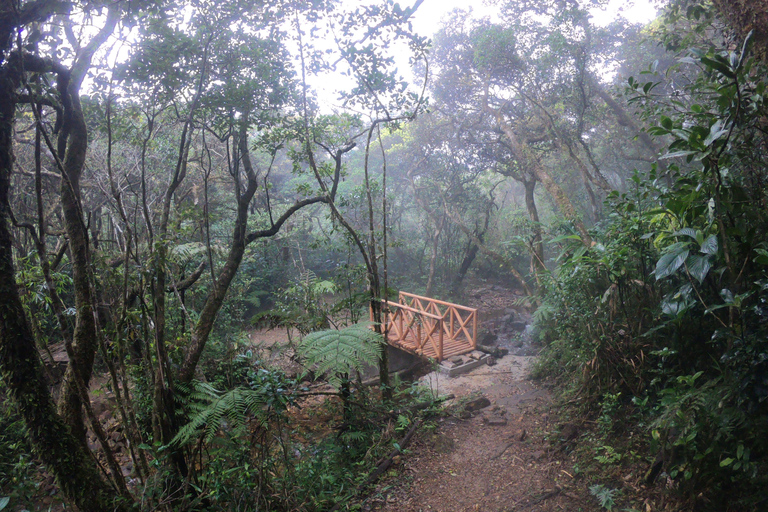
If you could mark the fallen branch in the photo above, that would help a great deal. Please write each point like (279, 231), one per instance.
(383, 464)
(497, 352)
(543, 497)
(521, 437)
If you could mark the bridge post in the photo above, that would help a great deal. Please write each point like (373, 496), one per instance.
(440, 340)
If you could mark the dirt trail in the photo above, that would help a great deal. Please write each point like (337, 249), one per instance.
(495, 459)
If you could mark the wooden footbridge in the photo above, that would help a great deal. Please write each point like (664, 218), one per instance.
(429, 327)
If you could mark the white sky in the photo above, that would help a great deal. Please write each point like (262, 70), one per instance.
(428, 17)
(427, 21)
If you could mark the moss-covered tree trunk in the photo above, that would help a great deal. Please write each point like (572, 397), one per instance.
(20, 364)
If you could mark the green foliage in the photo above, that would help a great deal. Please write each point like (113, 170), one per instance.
(605, 496)
(341, 352)
(233, 406)
(302, 305)
(269, 393)
(18, 467)
(668, 309)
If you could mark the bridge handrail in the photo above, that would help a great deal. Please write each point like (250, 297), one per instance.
(421, 319)
(414, 310)
(441, 302)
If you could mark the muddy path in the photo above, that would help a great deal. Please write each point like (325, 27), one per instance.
(503, 456)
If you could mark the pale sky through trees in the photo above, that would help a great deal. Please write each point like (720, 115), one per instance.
(428, 19)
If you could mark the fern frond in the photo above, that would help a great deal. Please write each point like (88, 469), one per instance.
(324, 287)
(215, 407)
(341, 351)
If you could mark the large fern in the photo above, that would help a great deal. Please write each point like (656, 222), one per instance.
(341, 352)
(211, 408)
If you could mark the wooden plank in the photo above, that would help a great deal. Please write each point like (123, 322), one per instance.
(418, 325)
(411, 309)
(459, 306)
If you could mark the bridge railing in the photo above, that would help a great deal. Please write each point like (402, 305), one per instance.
(417, 327)
(459, 322)
(423, 322)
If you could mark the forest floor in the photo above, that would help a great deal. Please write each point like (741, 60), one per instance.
(502, 457)
(501, 446)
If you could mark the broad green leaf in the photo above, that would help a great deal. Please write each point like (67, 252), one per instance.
(710, 245)
(698, 266)
(673, 308)
(715, 132)
(686, 232)
(669, 263)
(719, 66)
(727, 295)
(762, 257)
(744, 47)
(726, 462)
(678, 154)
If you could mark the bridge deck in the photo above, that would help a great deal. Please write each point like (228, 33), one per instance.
(430, 327)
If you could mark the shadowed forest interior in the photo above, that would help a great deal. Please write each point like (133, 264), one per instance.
(212, 214)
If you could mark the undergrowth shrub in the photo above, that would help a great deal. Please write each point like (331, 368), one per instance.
(251, 447)
(18, 467)
(665, 317)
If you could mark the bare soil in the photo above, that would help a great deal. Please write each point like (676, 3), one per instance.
(496, 459)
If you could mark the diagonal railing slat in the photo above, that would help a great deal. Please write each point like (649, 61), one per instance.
(429, 327)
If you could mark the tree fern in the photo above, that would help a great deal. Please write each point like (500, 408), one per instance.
(212, 408)
(343, 351)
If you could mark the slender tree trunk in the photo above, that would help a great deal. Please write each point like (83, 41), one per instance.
(471, 253)
(221, 284)
(466, 262)
(624, 119)
(564, 204)
(485, 250)
(524, 155)
(537, 244)
(433, 258)
(84, 342)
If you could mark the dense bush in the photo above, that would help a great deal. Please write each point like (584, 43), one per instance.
(668, 308)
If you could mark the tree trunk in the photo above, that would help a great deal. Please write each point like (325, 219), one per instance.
(525, 157)
(469, 257)
(537, 244)
(433, 258)
(471, 253)
(216, 297)
(624, 119)
(20, 364)
(84, 342)
(485, 250)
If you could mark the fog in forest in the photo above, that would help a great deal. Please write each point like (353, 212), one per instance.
(333, 255)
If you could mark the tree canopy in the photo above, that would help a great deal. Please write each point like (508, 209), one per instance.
(172, 174)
